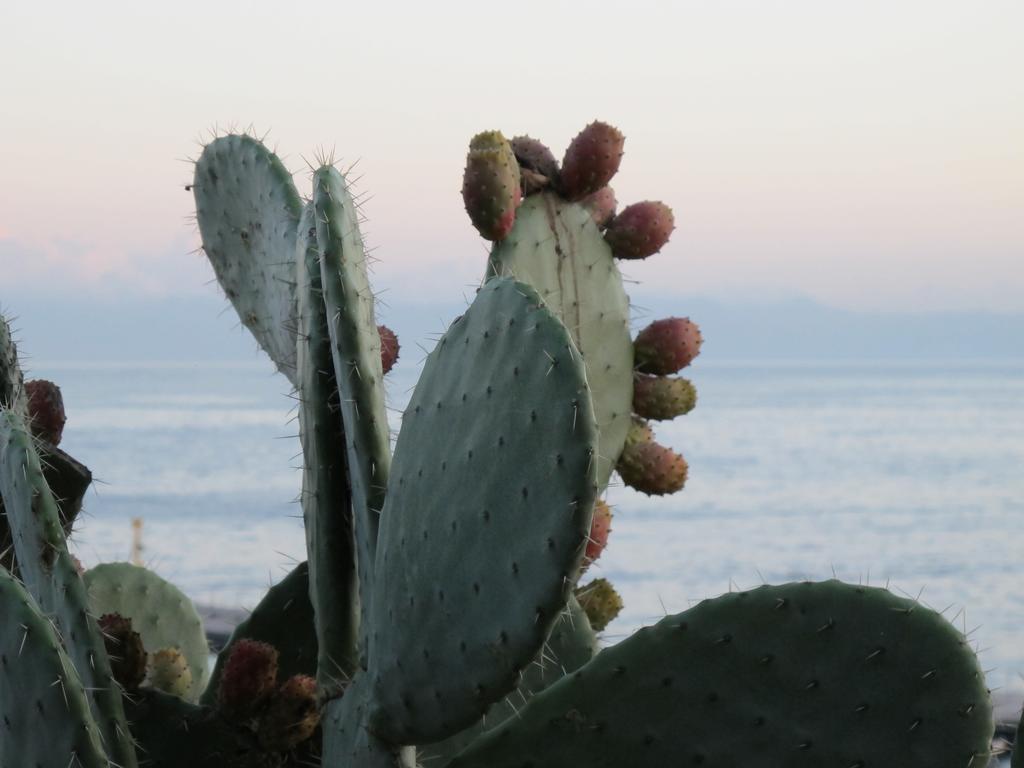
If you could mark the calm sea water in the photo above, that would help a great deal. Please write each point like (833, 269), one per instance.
(908, 474)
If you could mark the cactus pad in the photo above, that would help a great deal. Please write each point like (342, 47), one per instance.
(557, 248)
(38, 685)
(159, 612)
(51, 576)
(487, 512)
(824, 674)
(248, 210)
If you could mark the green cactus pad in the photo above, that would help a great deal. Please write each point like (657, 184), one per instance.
(248, 211)
(284, 619)
(326, 500)
(12, 382)
(51, 576)
(556, 247)
(571, 644)
(359, 374)
(348, 739)
(172, 733)
(487, 512)
(824, 674)
(160, 613)
(45, 720)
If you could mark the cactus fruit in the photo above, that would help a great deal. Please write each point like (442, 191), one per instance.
(169, 672)
(667, 346)
(248, 678)
(600, 527)
(662, 397)
(491, 185)
(824, 674)
(46, 410)
(602, 205)
(538, 168)
(291, 716)
(389, 348)
(652, 468)
(640, 230)
(591, 160)
(125, 649)
(600, 602)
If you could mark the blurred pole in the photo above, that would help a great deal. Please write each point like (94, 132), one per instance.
(136, 541)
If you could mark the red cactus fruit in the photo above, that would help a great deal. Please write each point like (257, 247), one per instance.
(491, 185)
(600, 527)
(46, 410)
(602, 205)
(640, 230)
(662, 397)
(652, 468)
(388, 347)
(591, 160)
(667, 346)
(537, 166)
(600, 602)
(248, 678)
(125, 649)
(291, 716)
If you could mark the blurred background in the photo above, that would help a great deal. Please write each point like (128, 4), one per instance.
(848, 184)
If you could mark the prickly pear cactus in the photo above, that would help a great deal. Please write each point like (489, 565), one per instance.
(565, 241)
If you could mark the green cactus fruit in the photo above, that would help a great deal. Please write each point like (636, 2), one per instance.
(640, 230)
(591, 160)
(600, 602)
(600, 527)
(602, 205)
(825, 674)
(652, 468)
(46, 410)
(160, 612)
(537, 165)
(491, 185)
(666, 346)
(169, 672)
(284, 619)
(44, 713)
(291, 716)
(248, 678)
(661, 397)
(389, 348)
(248, 210)
(639, 432)
(125, 649)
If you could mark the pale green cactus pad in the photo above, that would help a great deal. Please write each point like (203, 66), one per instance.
(248, 211)
(160, 612)
(556, 247)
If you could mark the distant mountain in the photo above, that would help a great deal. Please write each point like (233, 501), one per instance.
(206, 328)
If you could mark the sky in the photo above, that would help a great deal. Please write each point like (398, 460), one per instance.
(866, 155)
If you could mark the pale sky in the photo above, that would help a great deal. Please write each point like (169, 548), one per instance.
(869, 155)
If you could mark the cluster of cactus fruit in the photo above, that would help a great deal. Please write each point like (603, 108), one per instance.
(440, 616)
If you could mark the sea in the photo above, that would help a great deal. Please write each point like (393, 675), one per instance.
(901, 474)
